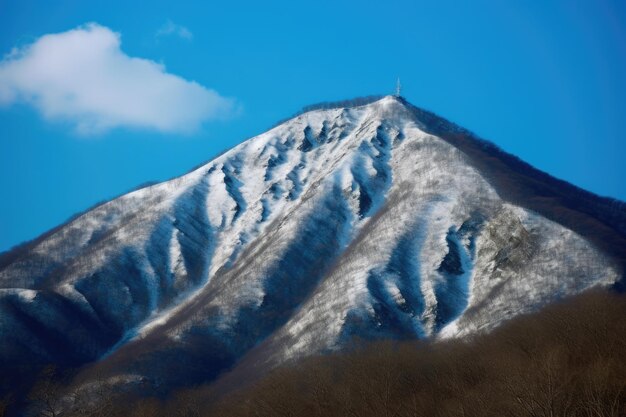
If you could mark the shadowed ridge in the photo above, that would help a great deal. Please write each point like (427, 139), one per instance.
(602, 220)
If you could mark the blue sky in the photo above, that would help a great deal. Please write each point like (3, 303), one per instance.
(545, 80)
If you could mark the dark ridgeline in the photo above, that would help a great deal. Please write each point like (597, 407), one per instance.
(602, 220)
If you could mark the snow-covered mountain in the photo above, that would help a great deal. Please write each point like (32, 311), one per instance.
(376, 220)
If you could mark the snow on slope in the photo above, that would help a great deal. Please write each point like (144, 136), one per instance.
(336, 223)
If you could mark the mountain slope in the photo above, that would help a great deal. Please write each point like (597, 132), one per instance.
(376, 221)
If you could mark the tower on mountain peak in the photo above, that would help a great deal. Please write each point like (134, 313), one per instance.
(398, 88)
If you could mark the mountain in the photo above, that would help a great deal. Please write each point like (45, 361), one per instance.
(369, 219)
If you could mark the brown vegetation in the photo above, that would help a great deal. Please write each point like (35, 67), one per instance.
(567, 360)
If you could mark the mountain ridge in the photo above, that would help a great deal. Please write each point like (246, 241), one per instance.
(379, 220)
(6, 256)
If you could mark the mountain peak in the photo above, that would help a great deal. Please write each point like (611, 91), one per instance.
(368, 218)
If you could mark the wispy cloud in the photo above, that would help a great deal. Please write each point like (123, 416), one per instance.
(170, 28)
(82, 76)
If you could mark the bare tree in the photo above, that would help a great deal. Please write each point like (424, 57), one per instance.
(45, 396)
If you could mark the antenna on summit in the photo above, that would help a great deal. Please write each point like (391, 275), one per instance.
(398, 88)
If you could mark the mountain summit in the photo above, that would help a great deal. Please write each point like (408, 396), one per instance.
(370, 219)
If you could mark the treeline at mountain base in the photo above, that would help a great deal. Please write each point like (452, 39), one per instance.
(566, 360)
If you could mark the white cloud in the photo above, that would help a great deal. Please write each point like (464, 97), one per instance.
(170, 28)
(83, 77)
